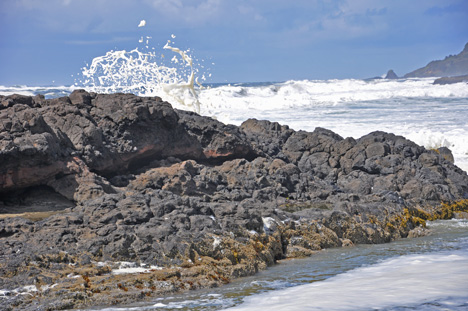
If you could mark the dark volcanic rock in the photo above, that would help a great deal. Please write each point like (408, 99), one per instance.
(267, 137)
(105, 134)
(123, 178)
(451, 80)
(220, 142)
(120, 132)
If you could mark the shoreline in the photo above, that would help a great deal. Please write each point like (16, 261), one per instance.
(80, 282)
(123, 178)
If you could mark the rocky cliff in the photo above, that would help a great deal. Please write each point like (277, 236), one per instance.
(453, 65)
(451, 80)
(97, 180)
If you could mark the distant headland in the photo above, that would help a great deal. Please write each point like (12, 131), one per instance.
(451, 66)
(452, 69)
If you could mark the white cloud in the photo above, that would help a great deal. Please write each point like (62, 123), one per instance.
(83, 16)
(186, 11)
(309, 19)
(170, 7)
(250, 13)
(353, 19)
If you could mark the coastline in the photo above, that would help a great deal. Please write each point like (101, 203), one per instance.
(79, 282)
(209, 203)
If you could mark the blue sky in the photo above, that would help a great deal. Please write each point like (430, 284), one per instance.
(45, 42)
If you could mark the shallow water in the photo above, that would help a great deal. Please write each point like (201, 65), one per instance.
(428, 273)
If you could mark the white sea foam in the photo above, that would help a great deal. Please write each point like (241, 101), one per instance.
(204, 302)
(55, 91)
(314, 93)
(125, 267)
(145, 72)
(269, 224)
(448, 224)
(400, 281)
(25, 290)
(430, 115)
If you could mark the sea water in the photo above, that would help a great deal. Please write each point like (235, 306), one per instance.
(429, 273)
(431, 115)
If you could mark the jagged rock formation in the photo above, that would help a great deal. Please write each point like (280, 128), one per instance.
(451, 80)
(453, 65)
(131, 179)
(391, 75)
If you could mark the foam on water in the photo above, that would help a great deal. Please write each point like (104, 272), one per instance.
(402, 281)
(428, 273)
(431, 115)
(48, 91)
(205, 302)
(125, 267)
(316, 93)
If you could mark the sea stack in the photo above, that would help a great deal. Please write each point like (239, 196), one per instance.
(391, 75)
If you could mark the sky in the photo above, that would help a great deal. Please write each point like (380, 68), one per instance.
(47, 42)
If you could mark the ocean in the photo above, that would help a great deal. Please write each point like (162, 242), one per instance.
(431, 115)
(428, 273)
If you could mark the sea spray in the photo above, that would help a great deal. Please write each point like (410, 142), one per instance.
(430, 115)
(180, 88)
(144, 72)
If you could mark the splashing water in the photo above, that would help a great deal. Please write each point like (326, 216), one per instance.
(143, 73)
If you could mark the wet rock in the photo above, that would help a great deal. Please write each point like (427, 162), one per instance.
(220, 142)
(451, 80)
(446, 154)
(124, 178)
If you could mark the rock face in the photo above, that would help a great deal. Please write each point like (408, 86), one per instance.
(453, 65)
(391, 75)
(135, 180)
(451, 80)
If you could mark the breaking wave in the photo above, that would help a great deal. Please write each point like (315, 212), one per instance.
(145, 71)
(427, 281)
